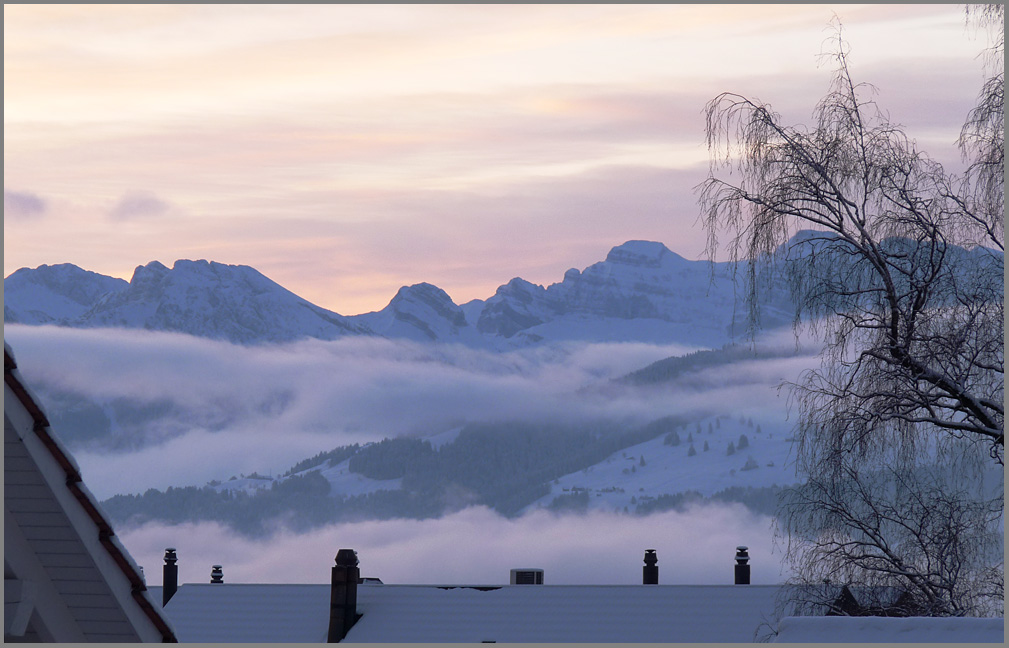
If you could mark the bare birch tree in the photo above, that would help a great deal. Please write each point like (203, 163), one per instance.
(901, 277)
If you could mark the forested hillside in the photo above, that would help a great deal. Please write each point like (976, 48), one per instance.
(507, 466)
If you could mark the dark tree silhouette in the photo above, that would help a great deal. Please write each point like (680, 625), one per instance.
(913, 324)
(899, 272)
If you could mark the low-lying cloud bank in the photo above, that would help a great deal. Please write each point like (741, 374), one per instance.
(476, 546)
(236, 409)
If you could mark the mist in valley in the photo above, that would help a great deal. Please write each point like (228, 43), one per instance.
(215, 410)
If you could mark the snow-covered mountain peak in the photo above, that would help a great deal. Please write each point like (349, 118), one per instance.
(154, 268)
(642, 291)
(803, 242)
(210, 268)
(428, 297)
(647, 254)
(215, 300)
(422, 291)
(520, 290)
(149, 276)
(515, 306)
(54, 293)
(422, 312)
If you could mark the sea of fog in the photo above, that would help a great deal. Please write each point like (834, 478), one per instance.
(268, 407)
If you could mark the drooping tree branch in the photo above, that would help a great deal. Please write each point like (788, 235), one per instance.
(897, 267)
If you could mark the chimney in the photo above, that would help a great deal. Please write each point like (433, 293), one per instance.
(216, 574)
(527, 576)
(170, 581)
(650, 572)
(343, 595)
(742, 566)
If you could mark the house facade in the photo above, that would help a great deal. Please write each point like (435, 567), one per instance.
(67, 578)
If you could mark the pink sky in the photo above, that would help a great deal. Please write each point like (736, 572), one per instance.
(347, 150)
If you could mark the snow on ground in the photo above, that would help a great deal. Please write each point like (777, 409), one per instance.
(444, 438)
(344, 482)
(841, 629)
(249, 484)
(612, 483)
(579, 327)
(669, 469)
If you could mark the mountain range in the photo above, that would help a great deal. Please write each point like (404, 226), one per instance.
(642, 291)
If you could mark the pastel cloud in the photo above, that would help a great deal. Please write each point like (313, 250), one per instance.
(138, 204)
(307, 140)
(23, 204)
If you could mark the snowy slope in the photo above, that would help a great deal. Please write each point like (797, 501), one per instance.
(215, 300)
(670, 469)
(516, 306)
(342, 481)
(613, 482)
(577, 327)
(422, 313)
(885, 630)
(54, 294)
(641, 292)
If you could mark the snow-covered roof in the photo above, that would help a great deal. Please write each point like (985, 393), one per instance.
(562, 613)
(847, 629)
(62, 561)
(509, 613)
(248, 613)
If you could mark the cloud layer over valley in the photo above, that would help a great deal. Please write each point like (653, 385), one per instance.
(224, 409)
(476, 546)
(235, 409)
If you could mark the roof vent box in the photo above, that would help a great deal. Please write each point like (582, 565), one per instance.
(527, 576)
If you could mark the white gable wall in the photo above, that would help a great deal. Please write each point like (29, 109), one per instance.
(53, 549)
(39, 610)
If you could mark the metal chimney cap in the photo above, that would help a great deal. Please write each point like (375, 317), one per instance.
(170, 556)
(650, 557)
(346, 558)
(742, 548)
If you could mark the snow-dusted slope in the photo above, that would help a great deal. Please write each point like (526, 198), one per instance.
(54, 294)
(215, 300)
(643, 279)
(423, 313)
(516, 306)
(641, 292)
(621, 480)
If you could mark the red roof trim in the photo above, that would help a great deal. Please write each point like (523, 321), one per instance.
(22, 394)
(105, 532)
(42, 432)
(104, 528)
